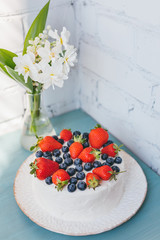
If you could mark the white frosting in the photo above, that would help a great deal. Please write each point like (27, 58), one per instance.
(80, 205)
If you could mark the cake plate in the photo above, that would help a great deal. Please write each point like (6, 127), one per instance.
(132, 199)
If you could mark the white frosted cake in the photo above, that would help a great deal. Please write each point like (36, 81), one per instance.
(81, 205)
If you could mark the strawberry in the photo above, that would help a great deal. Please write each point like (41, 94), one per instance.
(92, 180)
(76, 147)
(47, 143)
(60, 179)
(43, 168)
(98, 136)
(106, 173)
(89, 154)
(112, 149)
(66, 134)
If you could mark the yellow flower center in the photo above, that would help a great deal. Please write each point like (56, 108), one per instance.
(26, 69)
(51, 74)
(61, 41)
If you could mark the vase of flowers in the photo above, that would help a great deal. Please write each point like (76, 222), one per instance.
(45, 61)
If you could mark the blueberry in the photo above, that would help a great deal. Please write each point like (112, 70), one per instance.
(73, 180)
(81, 185)
(107, 143)
(56, 153)
(69, 143)
(86, 144)
(66, 155)
(55, 137)
(59, 160)
(46, 154)
(48, 180)
(76, 133)
(104, 156)
(71, 187)
(80, 175)
(88, 166)
(68, 161)
(77, 161)
(110, 161)
(61, 141)
(85, 135)
(71, 171)
(115, 168)
(63, 166)
(65, 149)
(79, 168)
(97, 164)
(39, 154)
(118, 160)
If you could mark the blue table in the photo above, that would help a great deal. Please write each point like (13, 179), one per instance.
(145, 225)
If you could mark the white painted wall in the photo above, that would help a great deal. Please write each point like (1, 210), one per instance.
(118, 73)
(119, 69)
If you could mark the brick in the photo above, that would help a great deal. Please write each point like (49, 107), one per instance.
(11, 103)
(117, 5)
(148, 52)
(145, 11)
(87, 14)
(99, 62)
(6, 82)
(11, 33)
(137, 85)
(111, 98)
(88, 84)
(118, 36)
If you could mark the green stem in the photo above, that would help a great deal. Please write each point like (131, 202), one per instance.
(35, 101)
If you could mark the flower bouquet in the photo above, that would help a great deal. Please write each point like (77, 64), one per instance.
(45, 61)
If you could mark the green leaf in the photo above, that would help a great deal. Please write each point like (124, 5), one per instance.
(6, 58)
(3, 70)
(37, 26)
(20, 79)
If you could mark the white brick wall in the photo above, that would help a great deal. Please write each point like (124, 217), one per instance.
(119, 69)
(117, 80)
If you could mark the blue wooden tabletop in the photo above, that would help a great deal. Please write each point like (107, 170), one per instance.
(14, 225)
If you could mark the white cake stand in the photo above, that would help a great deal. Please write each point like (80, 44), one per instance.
(131, 201)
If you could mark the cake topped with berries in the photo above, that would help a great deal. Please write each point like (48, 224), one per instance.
(78, 173)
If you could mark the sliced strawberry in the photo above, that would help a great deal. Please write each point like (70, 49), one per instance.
(60, 179)
(47, 143)
(112, 149)
(92, 180)
(43, 168)
(66, 134)
(98, 136)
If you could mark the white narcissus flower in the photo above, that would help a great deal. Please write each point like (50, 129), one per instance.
(70, 57)
(51, 75)
(47, 53)
(25, 65)
(63, 39)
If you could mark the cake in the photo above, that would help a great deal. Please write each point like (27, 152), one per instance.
(85, 199)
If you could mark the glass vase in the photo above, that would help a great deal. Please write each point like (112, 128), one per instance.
(36, 122)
